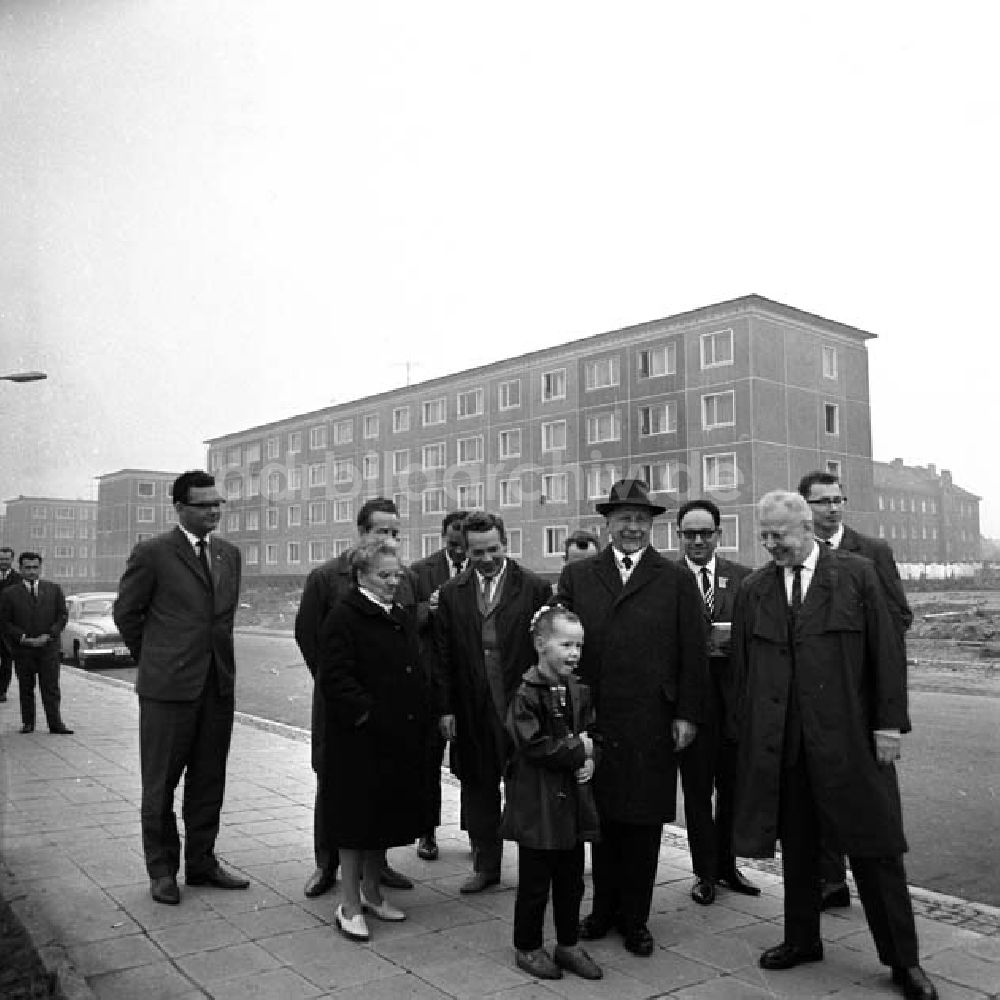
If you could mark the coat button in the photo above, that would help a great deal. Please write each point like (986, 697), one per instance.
(409, 718)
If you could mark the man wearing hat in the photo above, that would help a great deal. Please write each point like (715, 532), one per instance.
(644, 657)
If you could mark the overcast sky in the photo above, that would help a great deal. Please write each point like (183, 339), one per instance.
(218, 213)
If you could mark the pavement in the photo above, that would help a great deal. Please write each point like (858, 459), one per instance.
(71, 866)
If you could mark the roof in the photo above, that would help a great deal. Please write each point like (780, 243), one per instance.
(121, 473)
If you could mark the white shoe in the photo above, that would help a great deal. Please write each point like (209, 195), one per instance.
(384, 911)
(354, 927)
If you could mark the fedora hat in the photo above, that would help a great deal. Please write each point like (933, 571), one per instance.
(629, 493)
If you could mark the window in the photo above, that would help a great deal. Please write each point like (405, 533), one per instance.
(664, 536)
(271, 554)
(510, 492)
(470, 404)
(39, 513)
(294, 442)
(343, 511)
(295, 515)
(657, 361)
(400, 419)
(253, 486)
(145, 489)
(341, 545)
(317, 512)
(470, 449)
(38, 531)
(434, 455)
(343, 432)
(599, 479)
(555, 540)
(881, 502)
(604, 427)
(554, 435)
(892, 503)
(215, 461)
(67, 531)
(253, 520)
(719, 472)
(64, 552)
(271, 448)
(881, 531)
(429, 544)
(343, 471)
(293, 553)
(65, 513)
(923, 506)
(730, 537)
(554, 385)
(433, 501)
(84, 533)
(371, 425)
(830, 362)
(316, 551)
(234, 456)
(271, 519)
(471, 496)
(660, 419)
(718, 410)
(717, 349)
(510, 443)
(295, 479)
(253, 452)
(317, 436)
(509, 395)
(401, 462)
(369, 467)
(317, 474)
(234, 489)
(601, 374)
(403, 548)
(82, 552)
(233, 521)
(661, 476)
(833, 467)
(831, 418)
(555, 487)
(435, 411)
(273, 485)
(402, 502)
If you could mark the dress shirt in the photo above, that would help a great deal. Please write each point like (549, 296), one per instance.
(454, 568)
(696, 569)
(488, 587)
(808, 568)
(194, 540)
(32, 587)
(835, 539)
(626, 571)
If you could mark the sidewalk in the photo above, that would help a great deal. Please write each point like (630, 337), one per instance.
(71, 865)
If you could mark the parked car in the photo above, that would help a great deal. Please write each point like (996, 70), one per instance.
(90, 633)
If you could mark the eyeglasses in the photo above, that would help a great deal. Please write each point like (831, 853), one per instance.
(828, 502)
(705, 534)
(206, 505)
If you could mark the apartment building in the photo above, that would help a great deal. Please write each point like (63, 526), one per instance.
(61, 530)
(729, 401)
(924, 516)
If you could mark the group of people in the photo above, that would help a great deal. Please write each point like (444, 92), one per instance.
(568, 712)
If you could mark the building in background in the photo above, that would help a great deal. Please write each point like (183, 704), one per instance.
(729, 401)
(62, 531)
(132, 505)
(924, 516)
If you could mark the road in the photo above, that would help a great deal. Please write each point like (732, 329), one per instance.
(949, 775)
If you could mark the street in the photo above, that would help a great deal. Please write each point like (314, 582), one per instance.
(949, 774)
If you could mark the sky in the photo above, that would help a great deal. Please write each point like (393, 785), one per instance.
(218, 214)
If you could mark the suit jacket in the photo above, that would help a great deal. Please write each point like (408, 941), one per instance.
(5, 646)
(12, 577)
(880, 553)
(174, 623)
(841, 665)
(429, 574)
(644, 657)
(21, 616)
(726, 582)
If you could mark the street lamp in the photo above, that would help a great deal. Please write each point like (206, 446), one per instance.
(23, 377)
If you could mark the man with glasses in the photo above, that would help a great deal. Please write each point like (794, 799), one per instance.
(709, 764)
(175, 610)
(825, 496)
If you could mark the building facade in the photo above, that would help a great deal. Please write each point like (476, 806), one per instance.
(924, 516)
(62, 531)
(726, 401)
(132, 505)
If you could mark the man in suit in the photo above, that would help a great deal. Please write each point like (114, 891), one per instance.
(175, 610)
(709, 764)
(825, 496)
(324, 587)
(644, 658)
(32, 615)
(429, 575)
(483, 646)
(8, 577)
(821, 709)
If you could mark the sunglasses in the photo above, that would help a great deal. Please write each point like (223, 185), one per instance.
(705, 534)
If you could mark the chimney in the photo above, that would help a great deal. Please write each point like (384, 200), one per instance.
(946, 477)
(932, 468)
(897, 463)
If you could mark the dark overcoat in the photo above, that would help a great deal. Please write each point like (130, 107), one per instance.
(461, 686)
(20, 616)
(848, 679)
(374, 695)
(545, 807)
(644, 658)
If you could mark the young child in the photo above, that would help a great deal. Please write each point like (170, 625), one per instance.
(549, 804)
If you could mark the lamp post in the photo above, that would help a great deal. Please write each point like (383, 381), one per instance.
(23, 377)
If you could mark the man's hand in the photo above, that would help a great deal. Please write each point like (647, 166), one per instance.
(683, 733)
(432, 601)
(585, 773)
(447, 726)
(888, 743)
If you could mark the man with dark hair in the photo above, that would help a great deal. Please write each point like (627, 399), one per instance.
(825, 496)
(429, 575)
(483, 645)
(709, 764)
(32, 615)
(580, 545)
(324, 588)
(8, 577)
(175, 610)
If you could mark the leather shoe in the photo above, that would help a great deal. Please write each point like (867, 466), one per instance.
(703, 891)
(576, 960)
(787, 956)
(354, 927)
(915, 983)
(427, 847)
(384, 910)
(393, 879)
(639, 941)
(164, 890)
(537, 963)
(28, 727)
(593, 927)
(217, 877)
(734, 880)
(319, 882)
(62, 730)
(839, 897)
(478, 881)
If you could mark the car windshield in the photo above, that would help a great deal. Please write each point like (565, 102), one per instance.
(92, 609)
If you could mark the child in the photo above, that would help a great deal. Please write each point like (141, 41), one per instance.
(549, 804)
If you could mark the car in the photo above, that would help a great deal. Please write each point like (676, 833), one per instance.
(90, 634)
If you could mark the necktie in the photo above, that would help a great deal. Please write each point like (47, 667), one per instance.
(707, 591)
(456, 566)
(627, 563)
(34, 592)
(203, 557)
(796, 590)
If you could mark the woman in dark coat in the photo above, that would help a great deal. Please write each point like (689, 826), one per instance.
(376, 699)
